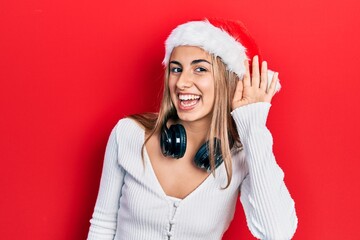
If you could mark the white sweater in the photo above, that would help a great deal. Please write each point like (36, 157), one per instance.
(131, 204)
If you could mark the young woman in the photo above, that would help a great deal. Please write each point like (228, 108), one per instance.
(177, 174)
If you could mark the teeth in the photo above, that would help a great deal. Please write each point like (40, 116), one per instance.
(189, 97)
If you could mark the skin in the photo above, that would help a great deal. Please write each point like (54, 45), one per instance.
(191, 72)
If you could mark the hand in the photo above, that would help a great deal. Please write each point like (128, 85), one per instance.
(254, 88)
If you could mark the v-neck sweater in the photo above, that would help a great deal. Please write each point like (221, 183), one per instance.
(132, 205)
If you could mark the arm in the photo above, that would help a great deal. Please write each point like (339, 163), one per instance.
(268, 206)
(103, 222)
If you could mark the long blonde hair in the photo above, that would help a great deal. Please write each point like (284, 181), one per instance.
(222, 125)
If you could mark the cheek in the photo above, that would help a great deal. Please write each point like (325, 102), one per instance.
(172, 89)
(208, 88)
(172, 84)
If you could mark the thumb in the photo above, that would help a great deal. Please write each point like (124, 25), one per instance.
(238, 94)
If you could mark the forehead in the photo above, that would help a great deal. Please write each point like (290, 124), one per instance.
(189, 53)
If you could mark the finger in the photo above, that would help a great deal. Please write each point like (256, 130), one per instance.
(272, 88)
(247, 78)
(264, 76)
(255, 78)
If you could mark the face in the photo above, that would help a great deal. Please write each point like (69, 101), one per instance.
(191, 83)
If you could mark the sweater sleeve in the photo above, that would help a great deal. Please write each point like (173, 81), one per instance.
(104, 218)
(269, 208)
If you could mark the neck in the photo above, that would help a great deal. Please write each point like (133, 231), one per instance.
(197, 131)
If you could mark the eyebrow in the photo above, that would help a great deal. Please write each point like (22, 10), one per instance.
(196, 61)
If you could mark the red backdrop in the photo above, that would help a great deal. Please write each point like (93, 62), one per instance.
(70, 69)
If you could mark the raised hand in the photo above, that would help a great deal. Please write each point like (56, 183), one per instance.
(254, 88)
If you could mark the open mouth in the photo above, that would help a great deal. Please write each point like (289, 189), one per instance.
(188, 100)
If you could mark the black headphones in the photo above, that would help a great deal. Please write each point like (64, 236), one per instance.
(173, 144)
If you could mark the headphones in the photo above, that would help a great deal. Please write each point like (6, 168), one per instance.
(173, 144)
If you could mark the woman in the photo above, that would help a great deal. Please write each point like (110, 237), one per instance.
(177, 175)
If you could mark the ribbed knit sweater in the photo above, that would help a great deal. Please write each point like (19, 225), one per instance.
(132, 205)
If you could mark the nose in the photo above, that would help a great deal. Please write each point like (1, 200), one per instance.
(184, 81)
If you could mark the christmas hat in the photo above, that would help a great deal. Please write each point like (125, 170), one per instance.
(229, 40)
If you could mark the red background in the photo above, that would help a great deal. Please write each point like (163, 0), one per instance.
(70, 69)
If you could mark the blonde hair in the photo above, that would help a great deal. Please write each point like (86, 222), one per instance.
(222, 125)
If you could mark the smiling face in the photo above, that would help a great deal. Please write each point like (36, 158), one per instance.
(191, 83)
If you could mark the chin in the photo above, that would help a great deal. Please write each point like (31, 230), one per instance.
(193, 117)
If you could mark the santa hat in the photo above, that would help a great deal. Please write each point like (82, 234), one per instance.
(227, 39)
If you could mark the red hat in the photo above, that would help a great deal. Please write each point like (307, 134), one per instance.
(229, 40)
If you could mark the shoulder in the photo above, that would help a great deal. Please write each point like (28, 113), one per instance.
(126, 122)
(136, 124)
(126, 139)
(126, 129)
(128, 125)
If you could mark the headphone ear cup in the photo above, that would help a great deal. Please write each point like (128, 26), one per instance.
(202, 159)
(173, 141)
(165, 141)
(179, 140)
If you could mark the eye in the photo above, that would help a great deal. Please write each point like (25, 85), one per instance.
(175, 70)
(200, 69)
